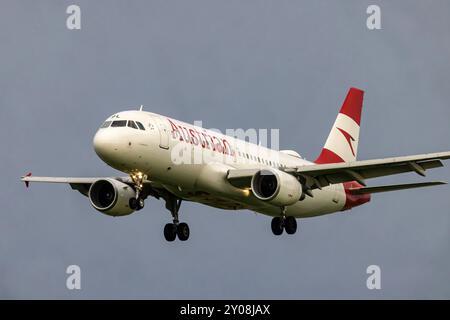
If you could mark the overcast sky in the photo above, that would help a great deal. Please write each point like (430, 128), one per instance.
(231, 64)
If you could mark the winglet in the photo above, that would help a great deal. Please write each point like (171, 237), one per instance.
(27, 183)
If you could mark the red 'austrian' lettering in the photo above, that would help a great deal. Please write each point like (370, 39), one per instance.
(196, 138)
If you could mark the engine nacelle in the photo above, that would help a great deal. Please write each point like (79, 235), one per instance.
(111, 197)
(277, 187)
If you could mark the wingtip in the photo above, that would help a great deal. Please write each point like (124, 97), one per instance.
(27, 183)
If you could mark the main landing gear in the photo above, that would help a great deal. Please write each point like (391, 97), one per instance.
(172, 230)
(284, 223)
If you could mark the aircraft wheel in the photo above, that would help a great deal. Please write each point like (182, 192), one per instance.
(277, 226)
(136, 204)
(170, 232)
(133, 203)
(183, 231)
(290, 225)
(140, 203)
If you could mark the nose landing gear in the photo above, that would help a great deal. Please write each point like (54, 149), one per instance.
(137, 203)
(138, 179)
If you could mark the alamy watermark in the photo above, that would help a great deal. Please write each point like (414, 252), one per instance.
(73, 21)
(73, 281)
(374, 279)
(196, 145)
(373, 21)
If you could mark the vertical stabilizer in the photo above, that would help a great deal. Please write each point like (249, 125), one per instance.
(342, 143)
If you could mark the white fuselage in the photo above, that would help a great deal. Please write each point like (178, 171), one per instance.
(192, 163)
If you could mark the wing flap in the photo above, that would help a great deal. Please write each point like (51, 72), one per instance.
(387, 170)
(360, 174)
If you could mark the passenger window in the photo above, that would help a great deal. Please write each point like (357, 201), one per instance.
(131, 124)
(105, 124)
(119, 123)
(140, 125)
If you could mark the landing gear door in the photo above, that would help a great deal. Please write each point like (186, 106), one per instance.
(163, 132)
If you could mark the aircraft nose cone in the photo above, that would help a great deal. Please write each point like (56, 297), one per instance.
(102, 143)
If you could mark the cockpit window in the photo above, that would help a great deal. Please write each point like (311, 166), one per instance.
(131, 124)
(119, 123)
(140, 125)
(106, 124)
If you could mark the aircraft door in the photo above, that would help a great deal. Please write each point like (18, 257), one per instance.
(163, 132)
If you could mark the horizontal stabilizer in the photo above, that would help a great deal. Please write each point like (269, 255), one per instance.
(395, 187)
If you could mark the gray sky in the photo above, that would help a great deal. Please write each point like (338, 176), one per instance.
(231, 64)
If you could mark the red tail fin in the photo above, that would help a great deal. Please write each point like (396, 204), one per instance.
(352, 105)
(342, 143)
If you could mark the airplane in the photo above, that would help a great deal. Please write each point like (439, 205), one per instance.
(175, 161)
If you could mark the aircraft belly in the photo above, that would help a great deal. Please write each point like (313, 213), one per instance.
(328, 200)
(206, 198)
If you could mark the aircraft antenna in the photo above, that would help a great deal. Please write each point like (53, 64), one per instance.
(142, 107)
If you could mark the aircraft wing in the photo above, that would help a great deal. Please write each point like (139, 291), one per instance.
(82, 184)
(70, 180)
(320, 175)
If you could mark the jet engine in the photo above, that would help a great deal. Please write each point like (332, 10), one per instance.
(276, 187)
(111, 197)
